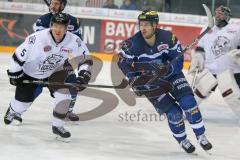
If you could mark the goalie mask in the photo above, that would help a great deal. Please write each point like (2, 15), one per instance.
(222, 16)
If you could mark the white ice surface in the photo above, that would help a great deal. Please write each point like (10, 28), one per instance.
(109, 137)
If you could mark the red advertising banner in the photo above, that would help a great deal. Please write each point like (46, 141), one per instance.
(115, 32)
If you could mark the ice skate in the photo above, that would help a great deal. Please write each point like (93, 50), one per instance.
(204, 143)
(12, 116)
(187, 146)
(62, 133)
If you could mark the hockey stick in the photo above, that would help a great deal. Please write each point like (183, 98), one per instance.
(47, 3)
(209, 27)
(194, 78)
(122, 85)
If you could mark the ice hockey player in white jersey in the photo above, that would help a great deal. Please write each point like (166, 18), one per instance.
(217, 59)
(43, 22)
(37, 58)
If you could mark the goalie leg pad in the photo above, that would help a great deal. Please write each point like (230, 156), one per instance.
(205, 83)
(229, 88)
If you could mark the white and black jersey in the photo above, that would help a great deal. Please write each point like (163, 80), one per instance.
(39, 55)
(216, 44)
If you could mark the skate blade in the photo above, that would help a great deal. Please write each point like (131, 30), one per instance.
(66, 140)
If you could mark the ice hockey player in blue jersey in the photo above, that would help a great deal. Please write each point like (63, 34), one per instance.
(56, 6)
(43, 22)
(159, 51)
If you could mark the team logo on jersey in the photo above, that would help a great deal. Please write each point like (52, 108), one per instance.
(126, 45)
(162, 47)
(32, 39)
(47, 48)
(220, 46)
(50, 63)
(67, 50)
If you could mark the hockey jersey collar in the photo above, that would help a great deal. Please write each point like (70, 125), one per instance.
(54, 38)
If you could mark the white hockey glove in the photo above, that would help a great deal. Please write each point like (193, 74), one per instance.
(197, 62)
(234, 56)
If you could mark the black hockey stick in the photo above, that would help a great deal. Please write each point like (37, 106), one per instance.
(122, 85)
(209, 27)
(47, 3)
